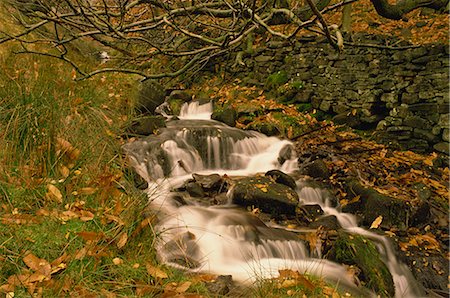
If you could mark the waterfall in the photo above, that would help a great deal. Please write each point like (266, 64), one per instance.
(224, 239)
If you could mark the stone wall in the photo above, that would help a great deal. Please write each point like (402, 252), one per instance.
(403, 94)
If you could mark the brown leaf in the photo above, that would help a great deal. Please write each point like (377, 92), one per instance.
(53, 193)
(86, 215)
(39, 265)
(87, 191)
(91, 236)
(183, 287)
(123, 238)
(155, 272)
(117, 261)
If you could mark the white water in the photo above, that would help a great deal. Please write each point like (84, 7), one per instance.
(226, 240)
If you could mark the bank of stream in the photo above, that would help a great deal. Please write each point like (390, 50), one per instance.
(234, 202)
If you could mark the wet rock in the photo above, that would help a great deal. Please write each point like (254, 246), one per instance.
(430, 268)
(151, 95)
(195, 189)
(181, 95)
(370, 204)
(309, 213)
(219, 199)
(329, 222)
(146, 125)
(211, 182)
(317, 169)
(265, 194)
(286, 153)
(226, 115)
(356, 250)
(266, 128)
(221, 286)
(282, 178)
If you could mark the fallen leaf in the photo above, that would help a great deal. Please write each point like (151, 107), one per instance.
(86, 215)
(53, 193)
(91, 236)
(183, 287)
(376, 223)
(155, 272)
(39, 265)
(87, 191)
(117, 261)
(123, 238)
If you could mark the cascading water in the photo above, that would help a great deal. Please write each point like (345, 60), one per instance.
(225, 239)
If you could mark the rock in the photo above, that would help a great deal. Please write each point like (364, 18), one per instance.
(282, 178)
(442, 147)
(371, 204)
(318, 169)
(265, 194)
(226, 115)
(181, 95)
(309, 213)
(417, 122)
(345, 118)
(329, 222)
(211, 182)
(269, 129)
(151, 95)
(356, 250)
(146, 125)
(195, 189)
(286, 153)
(221, 286)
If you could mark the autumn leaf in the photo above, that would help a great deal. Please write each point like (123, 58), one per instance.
(37, 264)
(91, 236)
(53, 193)
(183, 287)
(117, 261)
(86, 215)
(376, 223)
(123, 238)
(155, 272)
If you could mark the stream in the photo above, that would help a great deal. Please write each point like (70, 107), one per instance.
(225, 239)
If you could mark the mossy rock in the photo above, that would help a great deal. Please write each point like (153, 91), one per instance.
(175, 105)
(358, 251)
(269, 129)
(151, 95)
(276, 79)
(226, 114)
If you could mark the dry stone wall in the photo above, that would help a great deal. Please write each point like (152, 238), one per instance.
(402, 94)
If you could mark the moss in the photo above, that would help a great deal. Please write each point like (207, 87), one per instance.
(175, 106)
(277, 79)
(358, 251)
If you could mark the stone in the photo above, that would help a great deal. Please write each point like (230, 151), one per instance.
(309, 213)
(424, 134)
(360, 252)
(263, 58)
(263, 193)
(226, 115)
(220, 286)
(150, 96)
(446, 134)
(211, 182)
(329, 222)
(181, 95)
(145, 126)
(325, 106)
(286, 153)
(444, 120)
(410, 98)
(317, 169)
(442, 147)
(282, 178)
(195, 189)
(416, 121)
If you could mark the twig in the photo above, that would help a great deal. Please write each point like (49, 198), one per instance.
(323, 23)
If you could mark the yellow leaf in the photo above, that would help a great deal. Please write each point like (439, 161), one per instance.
(86, 215)
(87, 191)
(123, 238)
(183, 287)
(155, 272)
(117, 261)
(376, 223)
(53, 193)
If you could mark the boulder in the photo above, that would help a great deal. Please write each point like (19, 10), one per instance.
(358, 251)
(181, 95)
(211, 182)
(226, 115)
(309, 213)
(317, 169)
(371, 204)
(265, 194)
(329, 222)
(195, 189)
(282, 178)
(150, 96)
(145, 126)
